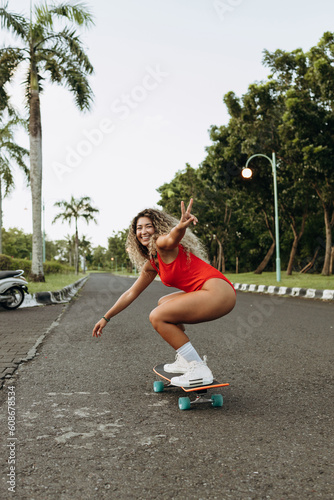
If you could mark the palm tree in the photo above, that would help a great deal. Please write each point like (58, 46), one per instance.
(10, 153)
(74, 210)
(85, 248)
(45, 52)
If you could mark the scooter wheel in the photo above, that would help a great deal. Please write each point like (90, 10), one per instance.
(17, 297)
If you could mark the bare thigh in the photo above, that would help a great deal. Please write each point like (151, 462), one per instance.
(213, 301)
(171, 296)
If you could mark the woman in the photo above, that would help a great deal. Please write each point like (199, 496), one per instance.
(154, 245)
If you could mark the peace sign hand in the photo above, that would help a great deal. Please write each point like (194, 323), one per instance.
(186, 217)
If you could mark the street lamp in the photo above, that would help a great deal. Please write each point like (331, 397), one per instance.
(247, 174)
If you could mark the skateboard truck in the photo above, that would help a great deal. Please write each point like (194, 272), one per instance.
(201, 392)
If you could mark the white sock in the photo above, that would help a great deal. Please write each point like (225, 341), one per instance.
(188, 352)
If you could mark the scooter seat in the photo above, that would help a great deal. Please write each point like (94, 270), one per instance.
(9, 274)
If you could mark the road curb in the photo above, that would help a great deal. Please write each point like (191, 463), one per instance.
(308, 293)
(57, 297)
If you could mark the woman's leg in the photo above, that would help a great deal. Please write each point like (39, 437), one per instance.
(213, 301)
(172, 296)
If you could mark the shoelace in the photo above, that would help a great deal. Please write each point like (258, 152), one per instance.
(194, 365)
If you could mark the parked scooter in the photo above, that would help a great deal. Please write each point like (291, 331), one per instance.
(12, 288)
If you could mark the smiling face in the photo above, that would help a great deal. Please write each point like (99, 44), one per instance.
(144, 230)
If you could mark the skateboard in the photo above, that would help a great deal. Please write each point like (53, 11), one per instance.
(200, 391)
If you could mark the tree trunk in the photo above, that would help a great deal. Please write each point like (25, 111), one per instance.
(296, 239)
(267, 258)
(311, 263)
(292, 254)
(332, 262)
(76, 248)
(0, 218)
(219, 259)
(35, 133)
(223, 261)
(265, 261)
(328, 226)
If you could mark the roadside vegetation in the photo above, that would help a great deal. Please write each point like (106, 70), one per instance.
(54, 282)
(316, 281)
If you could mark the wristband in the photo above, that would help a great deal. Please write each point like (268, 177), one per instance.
(107, 320)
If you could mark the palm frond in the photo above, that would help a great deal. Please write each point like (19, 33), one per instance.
(10, 152)
(15, 23)
(62, 56)
(52, 66)
(79, 86)
(75, 209)
(10, 58)
(6, 176)
(74, 47)
(37, 34)
(68, 45)
(17, 154)
(9, 61)
(77, 13)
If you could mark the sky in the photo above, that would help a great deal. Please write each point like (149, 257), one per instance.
(161, 69)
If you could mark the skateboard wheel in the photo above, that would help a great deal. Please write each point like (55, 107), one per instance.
(184, 403)
(158, 386)
(217, 400)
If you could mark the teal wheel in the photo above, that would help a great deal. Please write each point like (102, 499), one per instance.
(184, 403)
(158, 386)
(217, 400)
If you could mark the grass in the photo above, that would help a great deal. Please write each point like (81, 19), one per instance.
(295, 280)
(54, 282)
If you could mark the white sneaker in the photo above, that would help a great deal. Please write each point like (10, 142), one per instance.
(180, 365)
(198, 373)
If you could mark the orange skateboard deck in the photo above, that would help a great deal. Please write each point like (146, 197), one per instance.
(200, 390)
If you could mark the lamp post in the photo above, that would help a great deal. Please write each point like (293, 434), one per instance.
(247, 174)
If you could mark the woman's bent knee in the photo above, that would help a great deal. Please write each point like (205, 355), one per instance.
(154, 319)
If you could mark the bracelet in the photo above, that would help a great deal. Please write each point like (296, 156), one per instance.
(107, 320)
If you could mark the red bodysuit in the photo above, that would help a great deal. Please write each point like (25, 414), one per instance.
(187, 274)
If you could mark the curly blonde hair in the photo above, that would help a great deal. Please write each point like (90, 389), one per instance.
(163, 223)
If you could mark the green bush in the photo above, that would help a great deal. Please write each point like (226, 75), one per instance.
(10, 264)
(52, 267)
(4, 262)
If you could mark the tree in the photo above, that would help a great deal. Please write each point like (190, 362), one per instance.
(65, 249)
(306, 81)
(45, 52)
(16, 243)
(188, 184)
(10, 153)
(99, 258)
(117, 248)
(74, 210)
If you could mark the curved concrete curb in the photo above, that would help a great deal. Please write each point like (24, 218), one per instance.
(58, 297)
(308, 293)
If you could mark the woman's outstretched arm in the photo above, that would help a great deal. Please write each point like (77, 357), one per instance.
(146, 277)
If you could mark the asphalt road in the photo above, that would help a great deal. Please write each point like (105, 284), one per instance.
(89, 426)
